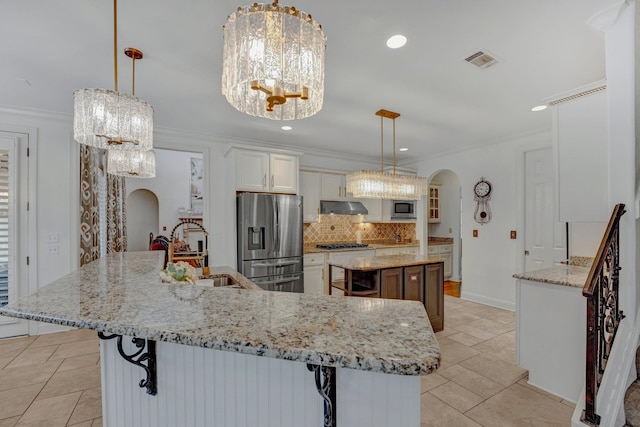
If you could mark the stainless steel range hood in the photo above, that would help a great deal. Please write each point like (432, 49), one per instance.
(328, 207)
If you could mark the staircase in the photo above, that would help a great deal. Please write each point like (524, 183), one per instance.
(632, 399)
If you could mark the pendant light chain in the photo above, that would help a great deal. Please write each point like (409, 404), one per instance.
(115, 43)
(394, 145)
(381, 144)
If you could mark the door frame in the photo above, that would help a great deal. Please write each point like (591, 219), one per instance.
(520, 200)
(28, 243)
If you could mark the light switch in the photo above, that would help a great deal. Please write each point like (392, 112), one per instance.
(513, 234)
(475, 233)
(52, 238)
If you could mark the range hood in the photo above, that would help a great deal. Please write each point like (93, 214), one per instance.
(328, 207)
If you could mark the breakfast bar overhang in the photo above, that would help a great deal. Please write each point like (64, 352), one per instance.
(228, 356)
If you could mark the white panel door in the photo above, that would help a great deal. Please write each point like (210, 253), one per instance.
(13, 227)
(545, 239)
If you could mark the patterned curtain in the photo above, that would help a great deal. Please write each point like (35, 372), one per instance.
(102, 228)
(116, 214)
(89, 206)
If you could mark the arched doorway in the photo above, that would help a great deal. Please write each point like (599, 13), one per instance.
(142, 219)
(444, 223)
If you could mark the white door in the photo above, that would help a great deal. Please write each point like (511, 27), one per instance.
(14, 281)
(545, 239)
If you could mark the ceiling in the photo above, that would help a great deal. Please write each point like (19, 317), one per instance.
(50, 49)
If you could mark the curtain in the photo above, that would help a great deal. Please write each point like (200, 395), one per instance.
(102, 207)
(116, 214)
(89, 206)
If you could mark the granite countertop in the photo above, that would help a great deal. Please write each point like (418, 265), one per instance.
(565, 275)
(387, 261)
(436, 241)
(311, 249)
(122, 294)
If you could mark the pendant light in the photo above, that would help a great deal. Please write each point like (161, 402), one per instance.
(273, 62)
(109, 119)
(370, 184)
(132, 163)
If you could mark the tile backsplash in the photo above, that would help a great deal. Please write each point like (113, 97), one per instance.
(341, 228)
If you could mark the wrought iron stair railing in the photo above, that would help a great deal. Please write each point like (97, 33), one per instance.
(603, 313)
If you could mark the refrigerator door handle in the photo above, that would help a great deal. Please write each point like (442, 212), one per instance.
(275, 264)
(279, 281)
(277, 225)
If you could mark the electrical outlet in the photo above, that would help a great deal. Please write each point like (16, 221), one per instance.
(513, 234)
(450, 230)
(53, 249)
(475, 233)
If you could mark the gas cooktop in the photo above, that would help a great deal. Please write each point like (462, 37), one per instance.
(342, 245)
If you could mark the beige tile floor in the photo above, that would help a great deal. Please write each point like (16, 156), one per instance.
(478, 383)
(54, 380)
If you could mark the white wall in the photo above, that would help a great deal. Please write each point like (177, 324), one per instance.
(171, 186)
(490, 260)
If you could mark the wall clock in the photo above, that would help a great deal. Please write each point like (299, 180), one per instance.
(482, 195)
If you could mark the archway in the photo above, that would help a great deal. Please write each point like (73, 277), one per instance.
(142, 219)
(443, 217)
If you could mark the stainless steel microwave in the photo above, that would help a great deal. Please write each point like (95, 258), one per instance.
(403, 209)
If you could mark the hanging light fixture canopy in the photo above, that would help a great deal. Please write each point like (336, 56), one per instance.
(109, 119)
(273, 64)
(370, 184)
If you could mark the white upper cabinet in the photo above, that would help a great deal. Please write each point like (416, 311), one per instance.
(263, 171)
(284, 173)
(580, 146)
(374, 206)
(310, 191)
(333, 186)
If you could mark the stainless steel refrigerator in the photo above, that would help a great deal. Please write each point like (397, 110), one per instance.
(270, 248)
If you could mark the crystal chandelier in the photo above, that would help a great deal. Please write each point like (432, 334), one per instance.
(109, 119)
(132, 164)
(370, 184)
(273, 64)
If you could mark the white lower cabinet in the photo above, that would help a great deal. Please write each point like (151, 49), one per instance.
(404, 250)
(445, 252)
(314, 274)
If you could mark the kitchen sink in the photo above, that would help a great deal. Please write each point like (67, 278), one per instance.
(220, 280)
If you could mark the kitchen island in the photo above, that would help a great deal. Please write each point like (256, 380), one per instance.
(550, 328)
(406, 277)
(175, 354)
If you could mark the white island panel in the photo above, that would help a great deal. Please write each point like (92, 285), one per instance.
(550, 336)
(206, 387)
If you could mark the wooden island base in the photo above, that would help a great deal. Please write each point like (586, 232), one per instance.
(408, 277)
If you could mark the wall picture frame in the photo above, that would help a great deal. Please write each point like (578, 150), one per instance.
(196, 185)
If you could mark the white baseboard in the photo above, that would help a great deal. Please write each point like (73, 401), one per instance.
(39, 328)
(507, 305)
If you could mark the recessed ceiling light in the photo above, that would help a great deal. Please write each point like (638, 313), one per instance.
(539, 108)
(286, 128)
(396, 41)
(404, 149)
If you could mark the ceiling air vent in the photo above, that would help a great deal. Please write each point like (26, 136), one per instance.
(481, 59)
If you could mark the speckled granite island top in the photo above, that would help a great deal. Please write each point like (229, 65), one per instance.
(564, 275)
(387, 261)
(122, 294)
